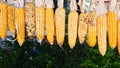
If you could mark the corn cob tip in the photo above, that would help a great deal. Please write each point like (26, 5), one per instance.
(51, 43)
(118, 53)
(82, 40)
(92, 45)
(31, 37)
(13, 35)
(71, 47)
(20, 43)
(3, 38)
(60, 43)
(112, 47)
(103, 54)
(40, 41)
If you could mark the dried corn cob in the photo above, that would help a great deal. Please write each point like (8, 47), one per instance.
(3, 20)
(20, 22)
(60, 22)
(118, 25)
(72, 24)
(30, 18)
(40, 19)
(49, 14)
(112, 26)
(82, 25)
(92, 30)
(101, 29)
(92, 25)
(11, 17)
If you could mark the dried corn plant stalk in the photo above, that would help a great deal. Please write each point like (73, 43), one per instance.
(30, 18)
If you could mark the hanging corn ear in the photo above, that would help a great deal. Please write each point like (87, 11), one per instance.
(118, 25)
(20, 22)
(112, 25)
(92, 25)
(60, 22)
(40, 19)
(30, 18)
(3, 20)
(82, 25)
(49, 14)
(72, 24)
(11, 17)
(101, 29)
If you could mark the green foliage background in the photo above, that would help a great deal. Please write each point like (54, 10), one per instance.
(47, 56)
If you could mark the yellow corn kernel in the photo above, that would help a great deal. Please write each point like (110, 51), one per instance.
(112, 29)
(3, 20)
(20, 25)
(60, 25)
(92, 29)
(40, 22)
(11, 19)
(82, 28)
(101, 33)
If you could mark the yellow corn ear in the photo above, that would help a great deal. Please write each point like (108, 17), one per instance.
(92, 29)
(82, 28)
(40, 22)
(30, 19)
(118, 28)
(49, 15)
(72, 28)
(20, 25)
(11, 19)
(101, 33)
(112, 29)
(60, 25)
(3, 20)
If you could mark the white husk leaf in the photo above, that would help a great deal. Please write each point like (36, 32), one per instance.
(118, 9)
(10, 1)
(20, 3)
(49, 4)
(92, 5)
(112, 5)
(30, 1)
(73, 5)
(60, 3)
(39, 3)
(101, 7)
